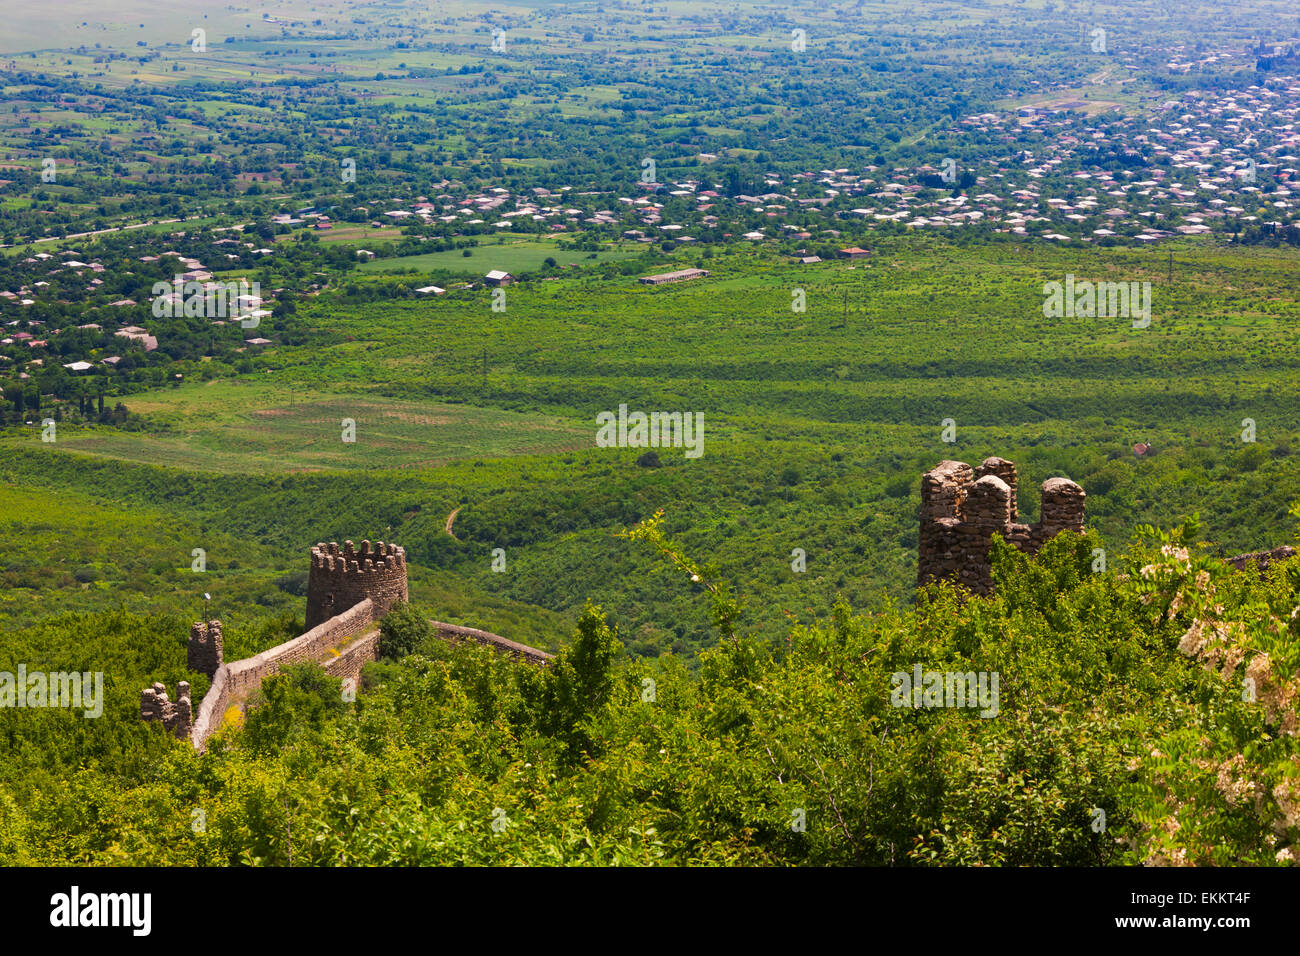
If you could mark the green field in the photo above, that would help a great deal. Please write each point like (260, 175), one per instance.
(253, 429)
(509, 257)
(818, 424)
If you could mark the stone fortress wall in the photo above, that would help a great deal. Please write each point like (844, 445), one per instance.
(962, 508)
(455, 634)
(348, 591)
(1261, 559)
(177, 716)
(351, 589)
(204, 652)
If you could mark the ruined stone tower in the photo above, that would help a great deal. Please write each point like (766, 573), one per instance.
(961, 509)
(340, 579)
(204, 651)
(177, 716)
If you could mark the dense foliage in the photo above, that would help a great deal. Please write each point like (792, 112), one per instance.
(1122, 735)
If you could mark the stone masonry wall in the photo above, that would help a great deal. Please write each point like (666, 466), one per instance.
(348, 590)
(455, 634)
(962, 508)
(177, 716)
(348, 665)
(204, 651)
(212, 709)
(240, 678)
(1261, 559)
(247, 675)
(342, 578)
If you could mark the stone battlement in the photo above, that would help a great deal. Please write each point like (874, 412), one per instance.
(177, 716)
(350, 559)
(348, 591)
(204, 651)
(343, 578)
(455, 634)
(962, 508)
(1261, 559)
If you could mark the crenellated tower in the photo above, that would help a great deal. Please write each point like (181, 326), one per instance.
(204, 651)
(342, 578)
(962, 508)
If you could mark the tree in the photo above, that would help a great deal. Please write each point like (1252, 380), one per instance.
(298, 699)
(578, 683)
(402, 632)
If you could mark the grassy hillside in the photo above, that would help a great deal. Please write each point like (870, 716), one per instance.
(818, 425)
(1118, 734)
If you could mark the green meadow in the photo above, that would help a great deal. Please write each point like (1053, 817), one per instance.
(250, 428)
(510, 256)
(817, 423)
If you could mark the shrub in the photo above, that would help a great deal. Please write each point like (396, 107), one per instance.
(401, 632)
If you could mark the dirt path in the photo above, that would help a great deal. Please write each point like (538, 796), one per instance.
(451, 519)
